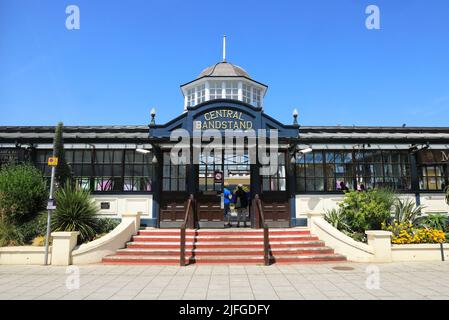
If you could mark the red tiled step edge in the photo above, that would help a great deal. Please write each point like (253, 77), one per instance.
(225, 252)
(224, 244)
(220, 260)
(231, 232)
(222, 238)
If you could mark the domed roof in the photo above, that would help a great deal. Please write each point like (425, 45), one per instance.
(224, 69)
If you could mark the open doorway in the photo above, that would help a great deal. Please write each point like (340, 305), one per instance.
(224, 194)
(236, 190)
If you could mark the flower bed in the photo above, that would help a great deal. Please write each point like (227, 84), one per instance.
(406, 233)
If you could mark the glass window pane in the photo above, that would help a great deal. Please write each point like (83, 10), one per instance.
(87, 156)
(78, 156)
(166, 184)
(68, 156)
(129, 156)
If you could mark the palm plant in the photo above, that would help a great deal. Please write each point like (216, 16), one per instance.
(439, 221)
(337, 219)
(75, 211)
(406, 211)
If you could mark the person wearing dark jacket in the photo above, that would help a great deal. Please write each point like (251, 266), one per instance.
(241, 204)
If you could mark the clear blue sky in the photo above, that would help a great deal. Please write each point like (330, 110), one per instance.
(315, 55)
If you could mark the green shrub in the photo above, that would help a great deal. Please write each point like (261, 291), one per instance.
(75, 211)
(34, 228)
(10, 235)
(106, 225)
(438, 221)
(367, 210)
(23, 193)
(337, 219)
(406, 211)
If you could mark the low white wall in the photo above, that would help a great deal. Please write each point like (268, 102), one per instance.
(379, 250)
(316, 202)
(434, 203)
(25, 255)
(94, 251)
(419, 252)
(341, 243)
(125, 203)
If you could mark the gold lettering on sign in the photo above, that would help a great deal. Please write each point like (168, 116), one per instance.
(224, 119)
(444, 156)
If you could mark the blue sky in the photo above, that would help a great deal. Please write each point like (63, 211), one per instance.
(315, 55)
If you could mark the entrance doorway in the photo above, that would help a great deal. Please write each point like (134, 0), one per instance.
(217, 197)
(237, 175)
(209, 192)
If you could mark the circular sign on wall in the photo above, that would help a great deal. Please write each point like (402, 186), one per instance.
(218, 176)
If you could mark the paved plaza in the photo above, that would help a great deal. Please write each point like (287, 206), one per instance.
(313, 281)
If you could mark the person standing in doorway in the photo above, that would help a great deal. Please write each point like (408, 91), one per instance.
(227, 194)
(343, 186)
(241, 204)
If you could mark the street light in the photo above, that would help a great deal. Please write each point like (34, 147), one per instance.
(142, 151)
(146, 152)
(418, 147)
(300, 154)
(153, 115)
(306, 150)
(295, 117)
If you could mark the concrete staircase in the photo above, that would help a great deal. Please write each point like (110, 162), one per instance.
(223, 246)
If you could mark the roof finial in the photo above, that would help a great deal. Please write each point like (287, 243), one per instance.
(224, 48)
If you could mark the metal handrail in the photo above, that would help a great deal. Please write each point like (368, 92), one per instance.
(182, 245)
(259, 208)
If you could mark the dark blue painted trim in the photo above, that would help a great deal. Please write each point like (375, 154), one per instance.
(260, 119)
(148, 222)
(299, 222)
(292, 201)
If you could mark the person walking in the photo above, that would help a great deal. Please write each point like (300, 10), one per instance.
(241, 204)
(227, 194)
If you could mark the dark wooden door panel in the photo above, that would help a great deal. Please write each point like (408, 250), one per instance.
(276, 208)
(209, 211)
(172, 209)
(209, 208)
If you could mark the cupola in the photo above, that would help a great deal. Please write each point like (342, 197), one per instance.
(223, 80)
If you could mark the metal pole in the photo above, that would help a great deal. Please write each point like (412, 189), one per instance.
(50, 199)
(442, 251)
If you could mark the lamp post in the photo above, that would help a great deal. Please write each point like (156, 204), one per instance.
(295, 117)
(51, 206)
(153, 115)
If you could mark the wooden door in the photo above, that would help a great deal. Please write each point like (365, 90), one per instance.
(174, 195)
(274, 196)
(210, 211)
